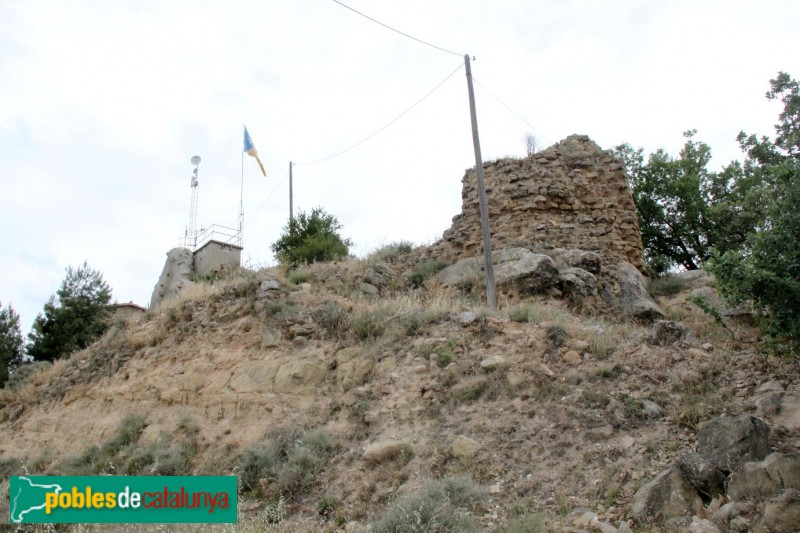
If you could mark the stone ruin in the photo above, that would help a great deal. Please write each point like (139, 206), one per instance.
(572, 195)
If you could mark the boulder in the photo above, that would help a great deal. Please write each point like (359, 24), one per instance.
(176, 275)
(781, 514)
(269, 285)
(730, 441)
(387, 450)
(366, 288)
(588, 261)
(300, 376)
(761, 479)
(464, 447)
(701, 473)
(634, 301)
(374, 278)
(701, 525)
(665, 332)
(695, 278)
(668, 495)
(517, 267)
(577, 282)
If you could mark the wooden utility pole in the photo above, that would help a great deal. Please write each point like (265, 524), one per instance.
(484, 208)
(291, 205)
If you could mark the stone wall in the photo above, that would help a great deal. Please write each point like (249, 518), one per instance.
(570, 195)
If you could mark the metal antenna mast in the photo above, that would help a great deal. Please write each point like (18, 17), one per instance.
(190, 239)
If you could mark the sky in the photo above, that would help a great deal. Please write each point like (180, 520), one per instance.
(103, 104)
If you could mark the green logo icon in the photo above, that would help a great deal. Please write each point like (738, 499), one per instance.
(122, 499)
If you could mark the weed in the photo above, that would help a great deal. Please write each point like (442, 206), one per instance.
(369, 324)
(327, 506)
(296, 277)
(333, 319)
(389, 253)
(556, 336)
(666, 286)
(522, 313)
(287, 464)
(527, 523)
(443, 506)
(425, 270)
(609, 372)
(595, 400)
(414, 323)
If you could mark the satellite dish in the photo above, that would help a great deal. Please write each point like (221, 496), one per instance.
(196, 160)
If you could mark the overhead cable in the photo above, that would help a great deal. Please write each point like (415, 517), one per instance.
(268, 197)
(398, 117)
(542, 135)
(398, 31)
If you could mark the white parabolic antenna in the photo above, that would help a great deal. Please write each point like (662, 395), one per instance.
(196, 160)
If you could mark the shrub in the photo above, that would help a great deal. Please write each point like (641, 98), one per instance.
(332, 318)
(442, 506)
(309, 238)
(288, 464)
(369, 324)
(425, 270)
(391, 252)
(528, 523)
(666, 286)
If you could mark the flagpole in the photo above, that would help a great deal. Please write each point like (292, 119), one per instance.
(241, 200)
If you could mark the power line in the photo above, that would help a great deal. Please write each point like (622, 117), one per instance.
(268, 197)
(398, 31)
(510, 109)
(398, 117)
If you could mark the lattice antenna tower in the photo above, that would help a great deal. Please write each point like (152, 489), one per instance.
(190, 239)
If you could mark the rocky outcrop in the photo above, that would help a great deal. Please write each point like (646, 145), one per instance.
(571, 195)
(515, 267)
(667, 496)
(730, 441)
(634, 301)
(176, 275)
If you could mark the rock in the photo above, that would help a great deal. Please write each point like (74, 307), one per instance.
(634, 300)
(701, 525)
(770, 404)
(652, 409)
(731, 510)
(624, 527)
(176, 275)
(300, 376)
(577, 283)
(270, 337)
(353, 372)
(583, 519)
(492, 363)
(469, 389)
(701, 473)
(757, 480)
(572, 358)
(467, 317)
(517, 267)
(387, 450)
(270, 285)
(668, 495)
(254, 377)
(604, 527)
(602, 432)
(374, 278)
(739, 524)
(665, 332)
(589, 261)
(464, 447)
(368, 289)
(730, 441)
(789, 416)
(770, 386)
(781, 514)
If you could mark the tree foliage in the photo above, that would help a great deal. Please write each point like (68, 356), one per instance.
(73, 318)
(311, 237)
(765, 270)
(11, 342)
(672, 197)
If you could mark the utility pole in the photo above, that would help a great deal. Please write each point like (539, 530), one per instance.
(484, 208)
(291, 205)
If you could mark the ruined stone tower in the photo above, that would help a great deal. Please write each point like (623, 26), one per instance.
(571, 195)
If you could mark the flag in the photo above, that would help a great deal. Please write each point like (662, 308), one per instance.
(250, 149)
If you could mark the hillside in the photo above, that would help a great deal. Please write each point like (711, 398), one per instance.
(343, 389)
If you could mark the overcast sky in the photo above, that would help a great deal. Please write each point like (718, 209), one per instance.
(103, 104)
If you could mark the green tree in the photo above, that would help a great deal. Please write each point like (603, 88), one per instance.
(11, 342)
(672, 198)
(310, 238)
(765, 270)
(73, 318)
